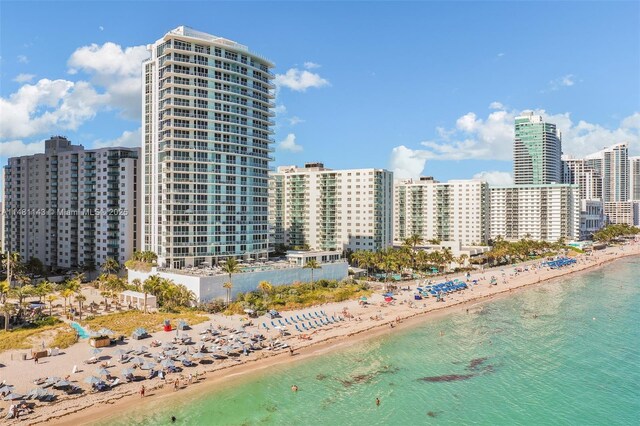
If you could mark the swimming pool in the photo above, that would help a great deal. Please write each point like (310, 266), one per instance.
(82, 333)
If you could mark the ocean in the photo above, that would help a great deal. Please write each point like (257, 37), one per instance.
(566, 352)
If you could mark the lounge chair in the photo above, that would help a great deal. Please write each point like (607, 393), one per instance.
(305, 317)
(323, 313)
(317, 323)
(287, 321)
(311, 325)
(298, 317)
(298, 328)
(281, 323)
(316, 314)
(265, 326)
(305, 327)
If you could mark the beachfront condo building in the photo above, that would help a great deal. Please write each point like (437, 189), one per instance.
(540, 212)
(207, 126)
(457, 210)
(607, 176)
(634, 178)
(315, 208)
(537, 150)
(70, 207)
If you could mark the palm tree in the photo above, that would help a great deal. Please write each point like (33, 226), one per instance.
(80, 298)
(150, 285)
(50, 299)
(111, 266)
(66, 294)
(43, 289)
(228, 286)
(7, 311)
(311, 265)
(4, 290)
(413, 242)
(230, 267)
(387, 263)
(13, 264)
(265, 287)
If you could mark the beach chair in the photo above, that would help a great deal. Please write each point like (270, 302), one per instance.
(287, 321)
(305, 327)
(333, 319)
(281, 323)
(311, 325)
(293, 320)
(325, 321)
(298, 317)
(305, 317)
(298, 328)
(273, 324)
(317, 323)
(340, 318)
(316, 314)
(265, 326)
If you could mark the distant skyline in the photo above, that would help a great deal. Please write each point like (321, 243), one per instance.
(419, 88)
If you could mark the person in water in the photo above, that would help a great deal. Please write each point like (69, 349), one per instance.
(173, 419)
(378, 401)
(294, 388)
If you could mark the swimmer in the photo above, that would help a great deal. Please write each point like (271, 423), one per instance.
(294, 388)
(378, 401)
(173, 419)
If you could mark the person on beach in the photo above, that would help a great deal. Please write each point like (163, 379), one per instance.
(176, 385)
(291, 350)
(190, 378)
(142, 392)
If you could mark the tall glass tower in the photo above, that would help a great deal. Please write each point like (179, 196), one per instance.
(207, 123)
(537, 151)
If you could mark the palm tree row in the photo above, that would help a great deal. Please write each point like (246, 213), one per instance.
(169, 295)
(611, 232)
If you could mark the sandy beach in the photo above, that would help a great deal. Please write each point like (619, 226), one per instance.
(363, 322)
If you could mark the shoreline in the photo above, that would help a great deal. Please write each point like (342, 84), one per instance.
(100, 407)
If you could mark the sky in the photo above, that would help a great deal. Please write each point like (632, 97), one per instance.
(420, 88)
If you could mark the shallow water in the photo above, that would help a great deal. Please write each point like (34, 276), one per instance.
(565, 352)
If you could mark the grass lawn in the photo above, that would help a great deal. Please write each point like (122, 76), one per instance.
(52, 330)
(126, 322)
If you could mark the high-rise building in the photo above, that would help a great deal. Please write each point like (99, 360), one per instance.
(70, 207)
(536, 151)
(207, 108)
(539, 212)
(577, 171)
(457, 210)
(316, 208)
(634, 178)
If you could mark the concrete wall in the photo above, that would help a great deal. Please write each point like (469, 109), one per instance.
(210, 288)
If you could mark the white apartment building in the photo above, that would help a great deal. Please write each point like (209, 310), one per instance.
(457, 210)
(207, 119)
(314, 208)
(70, 207)
(539, 212)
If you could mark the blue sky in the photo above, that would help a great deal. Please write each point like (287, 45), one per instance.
(421, 88)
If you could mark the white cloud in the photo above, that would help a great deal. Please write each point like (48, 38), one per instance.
(24, 78)
(495, 177)
(47, 106)
(116, 69)
(280, 109)
(407, 163)
(295, 120)
(101, 28)
(496, 105)
(491, 138)
(560, 82)
(128, 138)
(300, 80)
(311, 65)
(23, 59)
(17, 147)
(289, 144)
(501, 54)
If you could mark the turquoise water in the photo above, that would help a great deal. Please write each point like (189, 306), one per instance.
(82, 333)
(565, 352)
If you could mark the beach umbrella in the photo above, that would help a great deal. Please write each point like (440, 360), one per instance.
(137, 360)
(167, 345)
(53, 379)
(92, 380)
(170, 353)
(6, 389)
(121, 352)
(168, 363)
(105, 331)
(61, 384)
(35, 393)
(147, 366)
(13, 396)
(142, 349)
(95, 351)
(198, 355)
(127, 371)
(102, 372)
